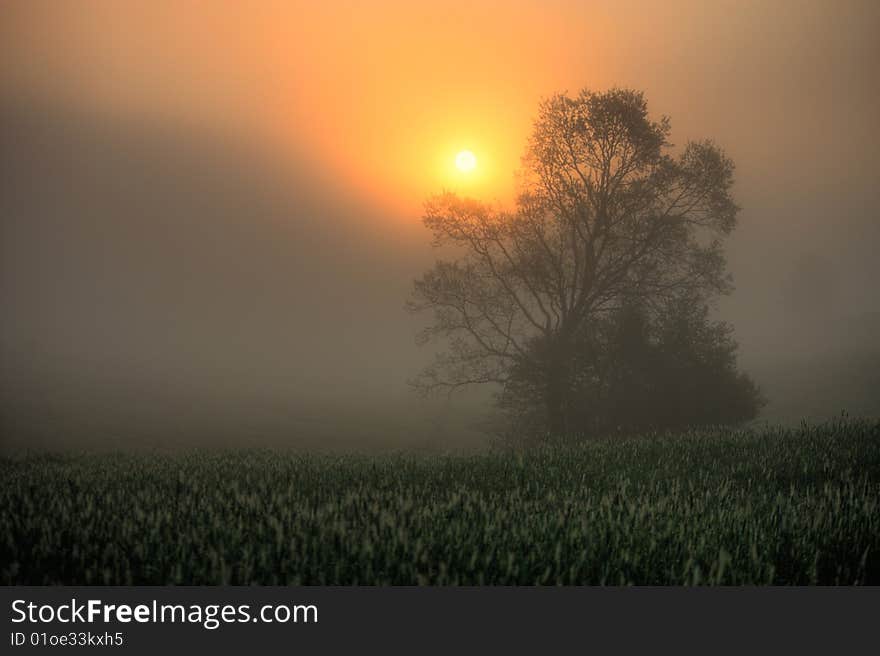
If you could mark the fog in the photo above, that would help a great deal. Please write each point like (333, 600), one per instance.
(208, 230)
(165, 288)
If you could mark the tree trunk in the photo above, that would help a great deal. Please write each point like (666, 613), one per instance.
(555, 399)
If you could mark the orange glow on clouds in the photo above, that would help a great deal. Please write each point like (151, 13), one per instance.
(378, 96)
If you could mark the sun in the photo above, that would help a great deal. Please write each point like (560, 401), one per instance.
(466, 161)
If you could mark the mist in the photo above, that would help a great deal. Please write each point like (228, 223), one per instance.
(208, 231)
(160, 289)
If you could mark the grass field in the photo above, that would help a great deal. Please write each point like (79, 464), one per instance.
(771, 506)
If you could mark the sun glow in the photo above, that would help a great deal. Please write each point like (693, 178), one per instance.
(466, 161)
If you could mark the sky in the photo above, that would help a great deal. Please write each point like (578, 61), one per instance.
(211, 210)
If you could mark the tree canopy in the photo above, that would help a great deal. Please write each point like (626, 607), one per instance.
(607, 220)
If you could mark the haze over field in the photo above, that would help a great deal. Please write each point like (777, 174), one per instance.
(210, 213)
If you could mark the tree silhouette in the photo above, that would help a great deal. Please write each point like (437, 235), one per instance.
(640, 371)
(606, 218)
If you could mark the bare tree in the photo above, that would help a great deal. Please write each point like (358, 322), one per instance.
(605, 215)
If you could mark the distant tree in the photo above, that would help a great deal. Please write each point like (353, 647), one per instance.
(606, 220)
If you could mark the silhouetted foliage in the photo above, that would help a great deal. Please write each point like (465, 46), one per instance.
(635, 373)
(576, 295)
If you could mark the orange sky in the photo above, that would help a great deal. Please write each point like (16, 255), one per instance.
(163, 245)
(381, 93)
(379, 96)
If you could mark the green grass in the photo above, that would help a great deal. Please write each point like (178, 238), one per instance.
(772, 506)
